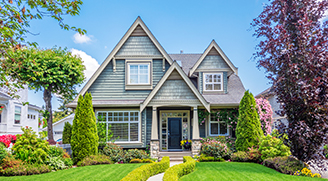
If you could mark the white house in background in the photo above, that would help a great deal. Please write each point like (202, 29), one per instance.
(58, 127)
(15, 115)
(272, 98)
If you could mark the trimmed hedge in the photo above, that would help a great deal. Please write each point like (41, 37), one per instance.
(144, 172)
(177, 171)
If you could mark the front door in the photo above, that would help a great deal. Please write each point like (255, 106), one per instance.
(174, 133)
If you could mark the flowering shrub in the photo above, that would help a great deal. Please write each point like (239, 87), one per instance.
(306, 172)
(215, 149)
(94, 160)
(325, 152)
(240, 156)
(134, 154)
(7, 139)
(265, 112)
(1, 108)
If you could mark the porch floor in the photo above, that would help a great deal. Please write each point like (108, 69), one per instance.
(174, 156)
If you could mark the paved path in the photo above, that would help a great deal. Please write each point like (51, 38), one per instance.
(159, 177)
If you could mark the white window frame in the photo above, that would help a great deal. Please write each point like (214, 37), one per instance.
(139, 64)
(129, 122)
(20, 114)
(217, 122)
(204, 81)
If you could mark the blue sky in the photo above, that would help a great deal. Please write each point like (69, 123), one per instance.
(178, 25)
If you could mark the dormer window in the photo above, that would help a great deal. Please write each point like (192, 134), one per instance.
(139, 73)
(213, 82)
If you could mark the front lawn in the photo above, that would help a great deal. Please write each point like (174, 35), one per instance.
(113, 172)
(237, 171)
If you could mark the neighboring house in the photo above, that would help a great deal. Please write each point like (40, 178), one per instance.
(15, 115)
(272, 98)
(58, 127)
(148, 96)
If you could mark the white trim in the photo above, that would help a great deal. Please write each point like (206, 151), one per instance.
(221, 53)
(138, 64)
(220, 83)
(218, 122)
(20, 114)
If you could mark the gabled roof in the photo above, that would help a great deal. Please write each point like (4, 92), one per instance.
(221, 53)
(137, 22)
(187, 60)
(175, 66)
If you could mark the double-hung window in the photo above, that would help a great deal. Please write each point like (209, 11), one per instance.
(124, 125)
(217, 127)
(18, 111)
(138, 73)
(213, 82)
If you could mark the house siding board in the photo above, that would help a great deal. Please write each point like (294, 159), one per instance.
(158, 70)
(138, 45)
(174, 90)
(225, 82)
(200, 85)
(213, 62)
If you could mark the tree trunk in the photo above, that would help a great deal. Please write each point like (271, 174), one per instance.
(47, 99)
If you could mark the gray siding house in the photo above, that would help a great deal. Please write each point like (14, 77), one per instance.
(148, 96)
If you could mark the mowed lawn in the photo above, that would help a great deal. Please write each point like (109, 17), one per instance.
(237, 171)
(114, 172)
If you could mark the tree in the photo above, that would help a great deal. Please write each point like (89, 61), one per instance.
(265, 112)
(84, 140)
(52, 71)
(15, 19)
(248, 131)
(294, 52)
(67, 133)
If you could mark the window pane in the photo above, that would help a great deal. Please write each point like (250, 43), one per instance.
(126, 116)
(133, 79)
(134, 132)
(17, 118)
(120, 131)
(214, 128)
(17, 109)
(217, 78)
(208, 78)
(120, 118)
(223, 128)
(208, 87)
(217, 86)
(110, 116)
(144, 69)
(115, 116)
(133, 69)
(101, 116)
(143, 79)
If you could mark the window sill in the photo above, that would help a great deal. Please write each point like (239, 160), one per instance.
(17, 125)
(205, 92)
(138, 87)
(128, 143)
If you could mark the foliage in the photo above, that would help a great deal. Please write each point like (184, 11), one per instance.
(54, 70)
(306, 172)
(115, 152)
(254, 155)
(26, 169)
(133, 154)
(248, 129)
(265, 112)
(56, 163)
(55, 151)
(287, 164)
(215, 149)
(7, 139)
(325, 151)
(3, 153)
(204, 158)
(68, 162)
(229, 116)
(144, 172)
(29, 148)
(67, 133)
(177, 171)
(94, 160)
(84, 141)
(105, 134)
(9, 162)
(240, 156)
(293, 50)
(271, 147)
(137, 160)
(147, 160)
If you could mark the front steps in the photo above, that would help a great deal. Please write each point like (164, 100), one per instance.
(174, 156)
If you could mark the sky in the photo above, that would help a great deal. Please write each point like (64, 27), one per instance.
(177, 25)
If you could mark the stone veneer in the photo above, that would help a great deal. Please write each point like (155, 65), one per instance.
(196, 145)
(154, 148)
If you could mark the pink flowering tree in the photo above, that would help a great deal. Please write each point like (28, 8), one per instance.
(265, 112)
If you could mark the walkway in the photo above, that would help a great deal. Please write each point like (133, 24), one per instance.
(159, 177)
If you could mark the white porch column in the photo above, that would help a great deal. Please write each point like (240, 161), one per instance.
(154, 125)
(195, 125)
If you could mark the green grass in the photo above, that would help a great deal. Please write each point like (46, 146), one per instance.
(220, 171)
(113, 172)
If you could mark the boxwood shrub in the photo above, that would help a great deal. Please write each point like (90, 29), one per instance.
(144, 172)
(177, 171)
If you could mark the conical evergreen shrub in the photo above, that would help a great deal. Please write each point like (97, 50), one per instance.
(67, 133)
(248, 131)
(84, 141)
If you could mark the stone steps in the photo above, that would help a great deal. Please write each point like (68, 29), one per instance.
(174, 156)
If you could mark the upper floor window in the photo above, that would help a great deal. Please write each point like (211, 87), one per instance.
(18, 111)
(213, 82)
(139, 73)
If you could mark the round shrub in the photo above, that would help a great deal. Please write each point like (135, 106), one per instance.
(56, 151)
(68, 162)
(136, 161)
(271, 147)
(240, 156)
(3, 152)
(135, 154)
(286, 164)
(215, 149)
(115, 152)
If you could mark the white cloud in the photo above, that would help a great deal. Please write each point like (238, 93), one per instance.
(90, 63)
(81, 38)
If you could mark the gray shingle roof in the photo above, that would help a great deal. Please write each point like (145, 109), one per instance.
(187, 60)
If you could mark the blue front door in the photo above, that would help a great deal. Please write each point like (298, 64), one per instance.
(174, 133)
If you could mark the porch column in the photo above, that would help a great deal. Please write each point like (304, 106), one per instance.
(154, 142)
(196, 145)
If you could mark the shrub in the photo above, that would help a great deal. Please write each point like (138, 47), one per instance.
(325, 152)
(26, 169)
(240, 156)
(204, 158)
(248, 130)
(10, 162)
(29, 148)
(56, 163)
(271, 147)
(215, 149)
(114, 151)
(286, 164)
(177, 171)
(3, 152)
(146, 171)
(136, 161)
(147, 161)
(55, 151)
(254, 155)
(94, 160)
(133, 154)
(84, 141)
(68, 162)
(7, 139)
(67, 133)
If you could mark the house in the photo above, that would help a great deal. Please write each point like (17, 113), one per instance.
(148, 96)
(272, 98)
(58, 127)
(15, 115)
